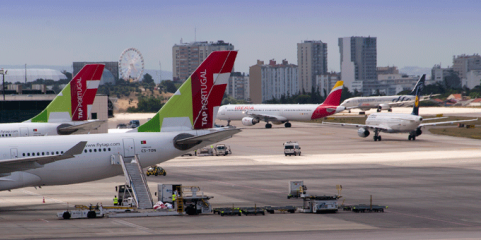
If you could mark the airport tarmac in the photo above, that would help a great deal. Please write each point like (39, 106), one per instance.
(432, 187)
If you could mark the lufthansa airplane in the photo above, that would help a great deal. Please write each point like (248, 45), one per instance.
(183, 123)
(396, 122)
(67, 113)
(383, 102)
(282, 113)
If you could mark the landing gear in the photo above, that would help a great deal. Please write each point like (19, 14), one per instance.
(376, 136)
(228, 122)
(411, 137)
(268, 125)
(389, 110)
(287, 125)
(362, 113)
(379, 109)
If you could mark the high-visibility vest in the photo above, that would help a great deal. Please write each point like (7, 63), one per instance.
(173, 197)
(116, 200)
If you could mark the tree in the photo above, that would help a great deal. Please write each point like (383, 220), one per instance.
(169, 86)
(147, 79)
(452, 80)
(67, 74)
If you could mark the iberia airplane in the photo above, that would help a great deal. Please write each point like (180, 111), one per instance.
(283, 113)
(183, 123)
(67, 113)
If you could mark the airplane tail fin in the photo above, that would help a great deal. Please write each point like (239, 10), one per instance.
(419, 84)
(334, 97)
(418, 92)
(196, 102)
(74, 102)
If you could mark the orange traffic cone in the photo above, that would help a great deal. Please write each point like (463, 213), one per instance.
(43, 199)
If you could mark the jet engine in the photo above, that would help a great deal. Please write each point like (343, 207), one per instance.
(362, 132)
(248, 121)
(340, 109)
(383, 107)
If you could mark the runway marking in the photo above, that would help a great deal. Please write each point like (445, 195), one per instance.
(133, 226)
(433, 219)
(44, 220)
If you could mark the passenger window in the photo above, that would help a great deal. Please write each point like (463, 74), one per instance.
(85, 151)
(23, 154)
(95, 150)
(61, 152)
(52, 153)
(28, 154)
(105, 150)
(38, 154)
(57, 152)
(43, 153)
(90, 150)
(109, 149)
(100, 150)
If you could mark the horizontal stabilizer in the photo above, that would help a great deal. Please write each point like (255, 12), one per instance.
(81, 128)
(210, 137)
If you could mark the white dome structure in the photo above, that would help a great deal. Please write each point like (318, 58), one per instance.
(18, 75)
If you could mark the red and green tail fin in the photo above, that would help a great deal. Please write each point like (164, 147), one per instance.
(195, 103)
(74, 102)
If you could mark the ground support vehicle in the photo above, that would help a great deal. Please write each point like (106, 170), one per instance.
(320, 204)
(228, 211)
(206, 151)
(364, 208)
(296, 189)
(292, 148)
(284, 209)
(82, 211)
(156, 171)
(187, 199)
(253, 211)
(222, 150)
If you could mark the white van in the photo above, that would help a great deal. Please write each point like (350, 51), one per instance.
(292, 148)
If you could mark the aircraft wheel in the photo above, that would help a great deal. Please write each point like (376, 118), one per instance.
(287, 125)
(414, 138)
(379, 138)
(379, 110)
(375, 138)
(389, 110)
(66, 215)
(268, 125)
(409, 137)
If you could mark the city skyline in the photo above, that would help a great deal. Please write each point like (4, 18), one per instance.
(409, 33)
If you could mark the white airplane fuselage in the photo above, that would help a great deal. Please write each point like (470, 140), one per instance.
(30, 129)
(366, 103)
(292, 112)
(95, 161)
(396, 122)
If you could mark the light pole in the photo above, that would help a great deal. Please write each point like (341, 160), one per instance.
(3, 72)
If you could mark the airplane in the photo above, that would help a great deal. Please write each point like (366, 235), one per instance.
(282, 113)
(185, 122)
(397, 122)
(67, 113)
(383, 102)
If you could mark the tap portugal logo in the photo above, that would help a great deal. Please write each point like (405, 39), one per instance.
(80, 112)
(204, 97)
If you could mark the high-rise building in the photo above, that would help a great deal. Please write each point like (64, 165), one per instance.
(268, 81)
(238, 86)
(311, 61)
(462, 64)
(325, 82)
(358, 63)
(186, 57)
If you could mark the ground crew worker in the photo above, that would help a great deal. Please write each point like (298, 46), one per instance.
(116, 200)
(173, 197)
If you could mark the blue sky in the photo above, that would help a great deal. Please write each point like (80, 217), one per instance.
(409, 33)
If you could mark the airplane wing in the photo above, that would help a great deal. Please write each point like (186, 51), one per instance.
(267, 118)
(358, 126)
(436, 118)
(82, 128)
(21, 164)
(211, 137)
(447, 122)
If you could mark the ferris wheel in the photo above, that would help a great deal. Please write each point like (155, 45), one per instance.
(131, 64)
